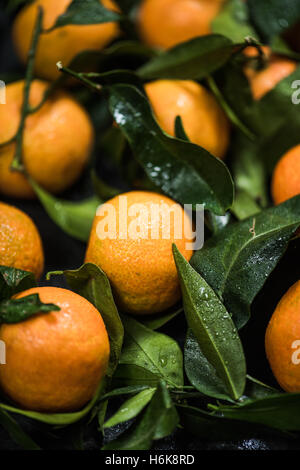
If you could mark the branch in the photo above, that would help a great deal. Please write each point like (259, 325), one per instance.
(17, 164)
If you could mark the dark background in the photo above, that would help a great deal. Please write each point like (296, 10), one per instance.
(64, 252)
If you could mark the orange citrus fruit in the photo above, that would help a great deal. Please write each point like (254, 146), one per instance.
(264, 80)
(20, 242)
(286, 176)
(282, 340)
(166, 23)
(139, 263)
(55, 361)
(204, 121)
(61, 44)
(56, 142)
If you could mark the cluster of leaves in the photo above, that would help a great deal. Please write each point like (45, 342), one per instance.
(206, 387)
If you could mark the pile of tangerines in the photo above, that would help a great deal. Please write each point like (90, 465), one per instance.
(56, 147)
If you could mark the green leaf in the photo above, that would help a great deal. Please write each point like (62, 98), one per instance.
(213, 327)
(91, 282)
(85, 12)
(74, 218)
(16, 432)
(12, 5)
(131, 390)
(169, 418)
(131, 407)
(179, 130)
(184, 171)
(249, 170)
(13, 281)
(272, 17)
(244, 206)
(157, 321)
(279, 412)
(234, 21)
(237, 261)
(194, 59)
(255, 390)
(18, 310)
(202, 375)
(141, 436)
(148, 356)
(103, 190)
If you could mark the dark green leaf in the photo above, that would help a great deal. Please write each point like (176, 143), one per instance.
(83, 12)
(13, 281)
(103, 190)
(280, 412)
(213, 327)
(202, 375)
(216, 223)
(141, 436)
(131, 390)
(255, 390)
(272, 17)
(17, 310)
(237, 262)
(234, 22)
(179, 130)
(91, 282)
(16, 432)
(169, 418)
(131, 407)
(148, 356)
(194, 59)
(184, 171)
(74, 218)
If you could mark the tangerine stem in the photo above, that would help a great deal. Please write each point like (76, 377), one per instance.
(17, 164)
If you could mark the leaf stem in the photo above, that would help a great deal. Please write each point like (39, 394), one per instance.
(17, 164)
(79, 76)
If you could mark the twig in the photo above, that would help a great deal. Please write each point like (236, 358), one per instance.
(79, 76)
(17, 164)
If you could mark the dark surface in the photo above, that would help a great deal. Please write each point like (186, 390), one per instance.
(63, 252)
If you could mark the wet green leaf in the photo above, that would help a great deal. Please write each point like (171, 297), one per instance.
(244, 206)
(213, 328)
(148, 356)
(17, 310)
(184, 171)
(200, 372)
(237, 261)
(153, 423)
(131, 407)
(194, 59)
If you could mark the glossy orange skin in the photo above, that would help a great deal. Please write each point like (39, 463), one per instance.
(56, 142)
(20, 242)
(142, 271)
(286, 176)
(55, 361)
(203, 119)
(263, 81)
(283, 330)
(166, 23)
(61, 44)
